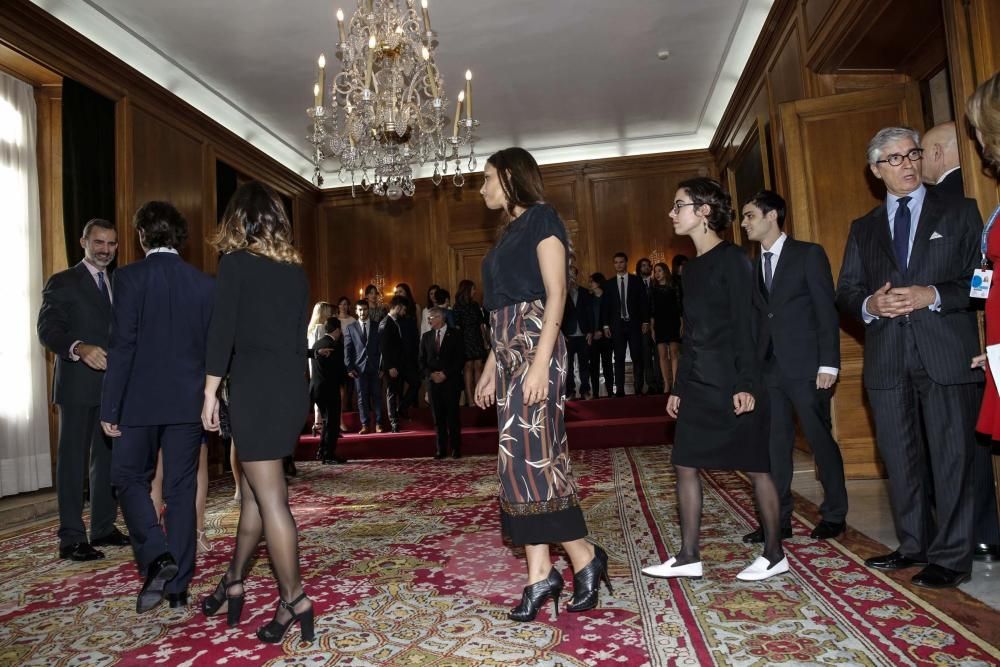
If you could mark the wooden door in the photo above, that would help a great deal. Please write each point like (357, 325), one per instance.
(830, 185)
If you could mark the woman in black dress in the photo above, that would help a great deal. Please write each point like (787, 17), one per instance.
(600, 347)
(261, 310)
(524, 288)
(469, 318)
(665, 321)
(718, 399)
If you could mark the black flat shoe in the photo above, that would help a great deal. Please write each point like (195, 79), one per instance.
(274, 631)
(757, 536)
(894, 561)
(115, 538)
(586, 582)
(936, 576)
(211, 604)
(81, 551)
(158, 574)
(534, 596)
(827, 530)
(178, 600)
(986, 552)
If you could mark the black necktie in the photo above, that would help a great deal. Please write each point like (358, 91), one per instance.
(437, 341)
(364, 333)
(621, 296)
(103, 286)
(768, 275)
(901, 232)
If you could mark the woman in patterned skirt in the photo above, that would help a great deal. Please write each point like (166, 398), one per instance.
(524, 288)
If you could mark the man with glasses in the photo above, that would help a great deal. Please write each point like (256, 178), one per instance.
(906, 274)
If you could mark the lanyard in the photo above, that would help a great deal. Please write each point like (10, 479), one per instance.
(986, 232)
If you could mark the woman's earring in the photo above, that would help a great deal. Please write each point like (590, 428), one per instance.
(704, 227)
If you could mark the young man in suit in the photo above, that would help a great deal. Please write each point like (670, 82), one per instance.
(328, 373)
(798, 343)
(442, 356)
(362, 358)
(393, 362)
(578, 328)
(906, 274)
(74, 323)
(626, 318)
(650, 358)
(152, 399)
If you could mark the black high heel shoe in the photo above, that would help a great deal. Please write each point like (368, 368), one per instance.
(211, 604)
(586, 582)
(274, 632)
(533, 597)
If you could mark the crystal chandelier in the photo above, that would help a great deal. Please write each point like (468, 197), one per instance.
(385, 111)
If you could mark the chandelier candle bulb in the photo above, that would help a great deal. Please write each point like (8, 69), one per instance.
(458, 113)
(340, 26)
(430, 70)
(316, 100)
(468, 94)
(426, 15)
(371, 54)
(322, 79)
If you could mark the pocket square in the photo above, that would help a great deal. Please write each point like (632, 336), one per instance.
(935, 235)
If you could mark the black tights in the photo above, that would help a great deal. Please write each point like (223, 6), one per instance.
(689, 508)
(264, 511)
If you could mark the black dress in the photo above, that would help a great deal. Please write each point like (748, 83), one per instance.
(666, 314)
(261, 313)
(469, 318)
(717, 361)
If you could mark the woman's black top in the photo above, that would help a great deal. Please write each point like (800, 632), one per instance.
(511, 273)
(666, 314)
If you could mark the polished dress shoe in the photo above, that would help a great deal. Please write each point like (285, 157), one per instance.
(894, 561)
(668, 569)
(178, 600)
(115, 538)
(936, 576)
(986, 552)
(81, 551)
(334, 460)
(379, 429)
(757, 536)
(364, 430)
(587, 582)
(456, 454)
(158, 574)
(439, 455)
(762, 569)
(534, 596)
(826, 530)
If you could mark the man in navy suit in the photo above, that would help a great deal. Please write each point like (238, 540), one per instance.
(442, 356)
(578, 328)
(393, 360)
(626, 315)
(362, 359)
(906, 273)
(152, 399)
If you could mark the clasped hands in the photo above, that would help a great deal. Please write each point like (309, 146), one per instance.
(889, 301)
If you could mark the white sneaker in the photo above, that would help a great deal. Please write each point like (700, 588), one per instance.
(669, 570)
(761, 569)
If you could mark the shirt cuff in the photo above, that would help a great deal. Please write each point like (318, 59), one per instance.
(829, 370)
(74, 357)
(936, 306)
(865, 315)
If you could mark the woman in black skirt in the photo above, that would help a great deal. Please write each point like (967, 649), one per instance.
(718, 398)
(524, 288)
(665, 321)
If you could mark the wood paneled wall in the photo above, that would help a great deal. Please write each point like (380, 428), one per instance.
(441, 234)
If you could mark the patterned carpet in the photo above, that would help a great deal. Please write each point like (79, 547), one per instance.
(405, 566)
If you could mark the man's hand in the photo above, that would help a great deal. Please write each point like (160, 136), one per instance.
(325, 352)
(352, 374)
(915, 297)
(825, 380)
(110, 430)
(743, 402)
(598, 335)
(393, 373)
(590, 339)
(645, 328)
(210, 413)
(979, 361)
(93, 355)
(437, 377)
(607, 331)
(673, 405)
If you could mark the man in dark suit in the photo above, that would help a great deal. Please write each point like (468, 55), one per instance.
(798, 343)
(328, 373)
(626, 318)
(650, 357)
(578, 328)
(906, 275)
(362, 359)
(442, 356)
(392, 362)
(941, 170)
(74, 323)
(152, 399)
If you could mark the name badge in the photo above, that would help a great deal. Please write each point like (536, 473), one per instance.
(981, 280)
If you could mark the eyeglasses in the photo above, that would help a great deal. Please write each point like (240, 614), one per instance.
(678, 205)
(895, 159)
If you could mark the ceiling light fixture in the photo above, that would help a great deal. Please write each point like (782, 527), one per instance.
(385, 110)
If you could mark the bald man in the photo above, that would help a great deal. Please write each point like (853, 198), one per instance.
(941, 169)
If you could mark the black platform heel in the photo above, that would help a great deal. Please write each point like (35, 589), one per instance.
(533, 597)
(210, 605)
(274, 632)
(586, 582)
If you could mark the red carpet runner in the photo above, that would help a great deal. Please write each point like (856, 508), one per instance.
(405, 567)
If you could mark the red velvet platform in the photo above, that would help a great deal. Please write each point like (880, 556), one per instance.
(590, 424)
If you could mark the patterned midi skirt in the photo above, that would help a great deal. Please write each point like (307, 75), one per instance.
(538, 493)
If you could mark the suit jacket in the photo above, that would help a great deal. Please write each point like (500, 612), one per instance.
(358, 356)
(159, 329)
(450, 359)
(946, 340)
(391, 345)
(952, 185)
(74, 309)
(799, 315)
(636, 301)
(327, 371)
(581, 313)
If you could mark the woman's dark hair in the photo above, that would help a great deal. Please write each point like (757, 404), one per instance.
(406, 288)
(768, 201)
(430, 294)
(519, 177)
(332, 324)
(441, 296)
(255, 220)
(666, 271)
(677, 262)
(342, 300)
(708, 191)
(370, 289)
(598, 278)
(411, 303)
(464, 294)
(399, 301)
(160, 225)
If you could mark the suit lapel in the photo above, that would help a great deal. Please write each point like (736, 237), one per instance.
(760, 289)
(928, 214)
(89, 288)
(881, 222)
(789, 254)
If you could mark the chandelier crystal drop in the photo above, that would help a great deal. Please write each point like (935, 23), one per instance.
(385, 110)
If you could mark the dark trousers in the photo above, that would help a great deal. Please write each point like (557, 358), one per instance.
(133, 465)
(986, 529)
(393, 396)
(790, 398)
(600, 358)
(651, 365)
(80, 434)
(949, 416)
(627, 335)
(369, 387)
(327, 399)
(444, 405)
(577, 350)
(411, 397)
